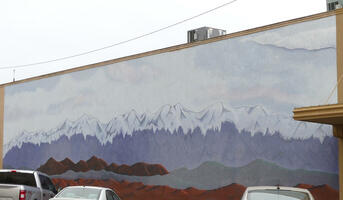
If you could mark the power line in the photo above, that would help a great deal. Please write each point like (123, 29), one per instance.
(119, 43)
(334, 89)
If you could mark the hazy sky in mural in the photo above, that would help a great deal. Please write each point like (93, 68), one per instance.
(34, 31)
(279, 69)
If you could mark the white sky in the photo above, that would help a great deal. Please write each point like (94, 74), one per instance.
(39, 30)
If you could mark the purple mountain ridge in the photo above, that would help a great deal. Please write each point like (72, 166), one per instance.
(176, 137)
(228, 146)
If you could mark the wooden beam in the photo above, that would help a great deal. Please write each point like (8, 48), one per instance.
(327, 114)
(338, 131)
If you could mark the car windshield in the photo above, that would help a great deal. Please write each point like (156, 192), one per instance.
(277, 195)
(79, 193)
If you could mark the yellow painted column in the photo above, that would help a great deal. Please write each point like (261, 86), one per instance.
(338, 133)
(2, 109)
(340, 161)
(338, 130)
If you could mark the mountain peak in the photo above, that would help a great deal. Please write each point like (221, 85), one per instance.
(52, 167)
(67, 162)
(67, 123)
(219, 106)
(178, 105)
(259, 109)
(96, 163)
(51, 160)
(131, 113)
(85, 118)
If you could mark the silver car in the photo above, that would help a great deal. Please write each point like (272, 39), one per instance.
(276, 193)
(86, 193)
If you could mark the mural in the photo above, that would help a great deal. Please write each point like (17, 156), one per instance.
(202, 122)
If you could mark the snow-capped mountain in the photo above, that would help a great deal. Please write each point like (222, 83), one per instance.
(252, 119)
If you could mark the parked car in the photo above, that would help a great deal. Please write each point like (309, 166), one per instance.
(276, 192)
(86, 192)
(25, 185)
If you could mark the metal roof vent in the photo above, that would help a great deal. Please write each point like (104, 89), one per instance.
(203, 33)
(333, 4)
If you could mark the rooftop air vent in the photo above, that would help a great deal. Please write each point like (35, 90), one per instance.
(203, 33)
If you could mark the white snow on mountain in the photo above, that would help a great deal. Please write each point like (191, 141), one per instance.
(172, 117)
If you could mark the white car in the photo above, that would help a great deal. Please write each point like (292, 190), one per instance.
(276, 193)
(86, 193)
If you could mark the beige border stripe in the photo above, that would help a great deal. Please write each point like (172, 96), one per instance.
(183, 46)
(339, 44)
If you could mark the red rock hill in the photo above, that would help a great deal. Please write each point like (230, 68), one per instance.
(139, 191)
(321, 192)
(53, 167)
(324, 192)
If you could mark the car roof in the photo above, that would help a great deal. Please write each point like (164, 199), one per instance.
(276, 187)
(17, 170)
(23, 171)
(95, 187)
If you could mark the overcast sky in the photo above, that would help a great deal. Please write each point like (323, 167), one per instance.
(40, 30)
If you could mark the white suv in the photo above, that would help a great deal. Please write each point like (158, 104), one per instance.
(276, 193)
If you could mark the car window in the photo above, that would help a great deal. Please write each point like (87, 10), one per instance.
(277, 194)
(109, 195)
(51, 186)
(115, 196)
(47, 184)
(18, 178)
(79, 193)
(112, 195)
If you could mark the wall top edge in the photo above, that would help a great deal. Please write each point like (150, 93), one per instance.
(318, 108)
(184, 46)
(324, 114)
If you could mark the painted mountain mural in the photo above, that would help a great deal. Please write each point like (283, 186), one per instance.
(231, 136)
(129, 131)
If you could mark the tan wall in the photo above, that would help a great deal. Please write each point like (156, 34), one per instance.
(339, 43)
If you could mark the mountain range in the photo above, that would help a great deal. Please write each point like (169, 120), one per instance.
(213, 175)
(53, 167)
(177, 137)
(252, 119)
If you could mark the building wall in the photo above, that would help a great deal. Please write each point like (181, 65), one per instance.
(213, 116)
